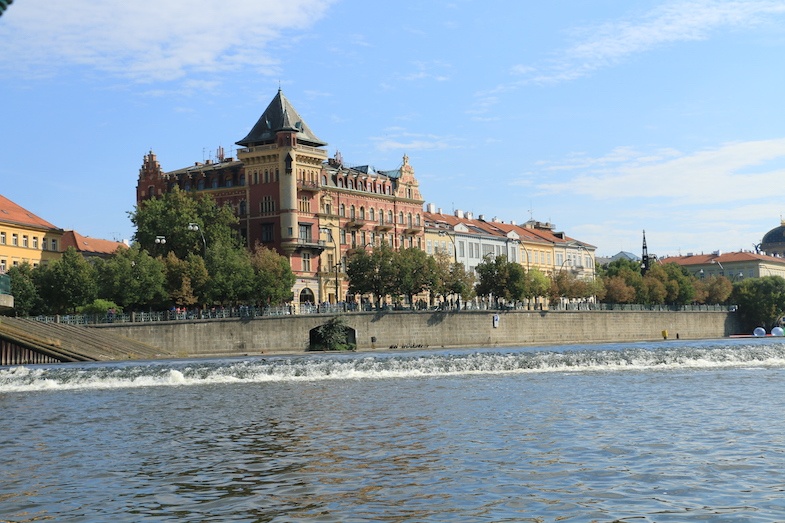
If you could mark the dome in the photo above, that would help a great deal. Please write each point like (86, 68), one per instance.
(774, 241)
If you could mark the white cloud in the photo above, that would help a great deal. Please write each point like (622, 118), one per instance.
(613, 42)
(732, 172)
(149, 41)
(414, 142)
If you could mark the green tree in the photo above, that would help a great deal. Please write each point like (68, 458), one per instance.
(170, 216)
(186, 280)
(492, 275)
(537, 284)
(761, 301)
(68, 283)
(27, 300)
(231, 273)
(273, 277)
(132, 279)
(372, 273)
(413, 272)
(679, 286)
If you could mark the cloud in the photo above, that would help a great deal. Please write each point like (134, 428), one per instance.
(414, 142)
(609, 44)
(732, 172)
(150, 41)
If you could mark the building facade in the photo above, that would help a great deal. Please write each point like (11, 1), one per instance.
(735, 266)
(26, 237)
(290, 196)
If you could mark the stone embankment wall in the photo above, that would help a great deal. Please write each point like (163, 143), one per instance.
(384, 330)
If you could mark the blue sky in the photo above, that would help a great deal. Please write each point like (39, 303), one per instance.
(604, 118)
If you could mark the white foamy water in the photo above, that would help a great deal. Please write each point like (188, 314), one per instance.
(669, 431)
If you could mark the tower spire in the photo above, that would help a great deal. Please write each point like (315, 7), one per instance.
(644, 256)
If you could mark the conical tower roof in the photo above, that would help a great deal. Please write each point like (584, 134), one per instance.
(280, 115)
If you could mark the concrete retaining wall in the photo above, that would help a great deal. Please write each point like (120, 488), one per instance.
(384, 330)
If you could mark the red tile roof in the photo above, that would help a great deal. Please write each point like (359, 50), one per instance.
(87, 245)
(14, 214)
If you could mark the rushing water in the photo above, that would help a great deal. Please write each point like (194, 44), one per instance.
(668, 431)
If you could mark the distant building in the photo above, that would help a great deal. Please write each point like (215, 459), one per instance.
(733, 265)
(773, 242)
(90, 247)
(26, 237)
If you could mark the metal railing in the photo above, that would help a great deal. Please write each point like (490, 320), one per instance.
(216, 313)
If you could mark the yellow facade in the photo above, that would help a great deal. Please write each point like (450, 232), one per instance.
(24, 237)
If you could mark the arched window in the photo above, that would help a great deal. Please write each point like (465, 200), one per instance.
(200, 184)
(187, 186)
(242, 180)
(243, 208)
(362, 213)
(324, 180)
(342, 210)
(390, 217)
(340, 182)
(351, 211)
(409, 219)
(266, 176)
(400, 218)
(349, 184)
(417, 220)
(371, 215)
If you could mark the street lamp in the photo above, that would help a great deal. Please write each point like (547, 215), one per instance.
(160, 239)
(329, 234)
(195, 227)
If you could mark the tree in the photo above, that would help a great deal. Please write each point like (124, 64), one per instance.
(712, 290)
(273, 277)
(132, 279)
(492, 277)
(761, 301)
(538, 284)
(618, 291)
(27, 301)
(231, 273)
(68, 283)
(186, 280)
(681, 290)
(170, 216)
(372, 273)
(413, 272)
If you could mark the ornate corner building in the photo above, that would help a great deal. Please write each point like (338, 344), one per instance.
(290, 196)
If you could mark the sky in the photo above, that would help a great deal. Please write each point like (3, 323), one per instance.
(605, 118)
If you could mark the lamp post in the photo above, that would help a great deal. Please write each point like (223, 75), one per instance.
(195, 227)
(329, 234)
(160, 240)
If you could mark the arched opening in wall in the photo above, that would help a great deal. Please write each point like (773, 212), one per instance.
(332, 335)
(307, 296)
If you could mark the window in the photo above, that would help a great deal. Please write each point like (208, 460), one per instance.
(2, 238)
(429, 246)
(371, 215)
(389, 217)
(24, 241)
(243, 208)
(342, 210)
(400, 218)
(266, 176)
(15, 240)
(343, 237)
(54, 244)
(35, 242)
(305, 204)
(324, 180)
(461, 249)
(307, 261)
(242, 179)
(44, 244)
(351, 212)
(305, 231)
(362, 213)
(268, 233)
(267, 205)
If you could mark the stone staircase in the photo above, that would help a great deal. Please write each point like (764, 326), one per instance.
(62, 342)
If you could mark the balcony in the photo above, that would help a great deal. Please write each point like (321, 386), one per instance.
(299, 244)
(304, 185)
(384, 226)
(355, 223)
